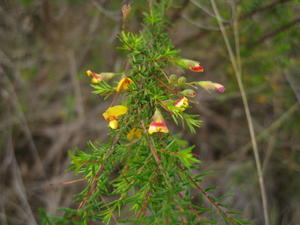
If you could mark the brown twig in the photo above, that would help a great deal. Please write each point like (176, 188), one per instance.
(200, 34)
(166, 86)
(142, 211)
(178, 11)
(96, 177)
(152, 149)
(194, 37)
(158, 161)
(68, 182)
(208, 197)
(274, 33)
(190, 207)
(263, 8)
(113, 215)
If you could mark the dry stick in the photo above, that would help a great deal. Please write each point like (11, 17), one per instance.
(75, 82)
(210, 199)
(20, 186)
(68, 182)
(263, 8)
(109, 14)
(269, 151)
(274, 33)
(193, 37)
(23, 120)
(96, 177)
(263, 134)
(292, 83)
(248, 114)
(179, 10)
(275, 125)
(201, 33)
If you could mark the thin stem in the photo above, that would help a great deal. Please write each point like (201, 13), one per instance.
(275, 32)
(208, 197)
(96, 177)
(113, 215)
(263, 8)
(275, 125)
(178, 11)
(248, 114)
(166, 86)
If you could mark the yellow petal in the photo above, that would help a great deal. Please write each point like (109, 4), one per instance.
(182, 103)
(157, 117)
(113, 124)
(113, 113)
(138, 132)
(158, 127)
(123, 84)
(134, 132)
(130, 135)
(95, 80)
(89, 73)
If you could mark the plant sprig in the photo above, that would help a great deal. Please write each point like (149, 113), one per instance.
(145, 168)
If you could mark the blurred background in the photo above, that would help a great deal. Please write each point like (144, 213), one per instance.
(47, 108)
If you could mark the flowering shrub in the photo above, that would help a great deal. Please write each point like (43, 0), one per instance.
(144, 167)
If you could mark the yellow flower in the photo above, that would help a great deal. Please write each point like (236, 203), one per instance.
(123, 84)
(112, 115)
(134, 132)
(182, 103)
(158, 124)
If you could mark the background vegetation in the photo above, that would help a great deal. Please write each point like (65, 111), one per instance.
(47, 108)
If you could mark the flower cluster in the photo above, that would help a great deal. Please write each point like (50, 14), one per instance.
(158, 124)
